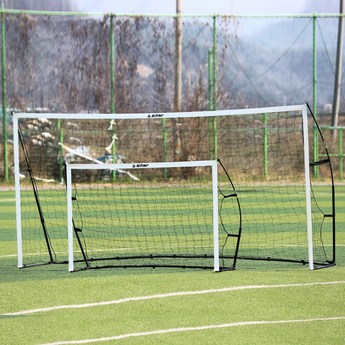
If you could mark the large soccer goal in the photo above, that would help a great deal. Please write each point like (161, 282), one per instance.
(270, 206)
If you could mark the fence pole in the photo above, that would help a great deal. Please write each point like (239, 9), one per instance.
(178, 57)
(214, 75)
(265, 146)
(3, 96)
(214, 60)
(340, 153)
(315, 131)
(61, 159)
(112, 89)
(112, 64)
(165, 146)
(210, 100)
(210, 79)
(338, 68)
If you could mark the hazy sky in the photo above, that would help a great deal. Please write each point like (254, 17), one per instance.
(210, 6)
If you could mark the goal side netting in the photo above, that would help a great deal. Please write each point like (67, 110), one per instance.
(271, 208)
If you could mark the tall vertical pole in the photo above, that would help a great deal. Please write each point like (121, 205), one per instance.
(210, 79)
(215, 90)
(176, 136)
(315, 131)
(165, 141)
(265, 146)
(338, 71)
(61, 160)
(178, 59)
(112, 88)
(210, 101)
(165, 146)
(112, 64)
(214, 59)
(340, 153)
(3, 96)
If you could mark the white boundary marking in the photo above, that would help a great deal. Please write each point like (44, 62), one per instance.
(197, 328)
(8, 256)
(166, 295)
(126, 248)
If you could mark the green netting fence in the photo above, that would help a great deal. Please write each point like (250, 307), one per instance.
(79, 62)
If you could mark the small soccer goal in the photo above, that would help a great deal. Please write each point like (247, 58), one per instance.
(151, 222)
(271, 206)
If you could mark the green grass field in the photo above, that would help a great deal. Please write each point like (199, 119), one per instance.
(259, 303)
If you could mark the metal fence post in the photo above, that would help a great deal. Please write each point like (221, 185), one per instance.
(215, 91)
(3, 96)
(315, 131)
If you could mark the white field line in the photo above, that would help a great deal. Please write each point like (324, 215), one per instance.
(131, 248)
(197, 328)
(8, 256)
(120, 249)
(110, 250)
(166, 295)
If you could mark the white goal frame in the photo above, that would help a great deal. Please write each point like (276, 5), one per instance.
(302, 109)
(138, 166)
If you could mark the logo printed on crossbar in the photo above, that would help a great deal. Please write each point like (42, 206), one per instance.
(140, 165)
(155, 115)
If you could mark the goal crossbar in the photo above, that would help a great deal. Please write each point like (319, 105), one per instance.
(170, 115)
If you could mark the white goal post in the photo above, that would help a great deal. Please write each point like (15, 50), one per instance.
(265, 154)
